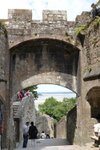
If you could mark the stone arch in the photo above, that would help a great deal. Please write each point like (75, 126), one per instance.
(45, 60)
(55, 78)
(66, 39)
(93, 97)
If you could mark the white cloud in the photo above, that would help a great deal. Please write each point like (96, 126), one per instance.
(73, 7)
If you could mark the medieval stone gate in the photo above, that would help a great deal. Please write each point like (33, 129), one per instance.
(35, 52)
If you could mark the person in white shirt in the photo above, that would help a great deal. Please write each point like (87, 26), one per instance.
(43, 135)
(25, 134)
(96, 136)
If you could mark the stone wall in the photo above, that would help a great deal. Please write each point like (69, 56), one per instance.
(38, 53)
(4, 74)
(71, 125)
(19, 18)
(4, 59)
(91, 51)
(45, 123)
(91, 72)
(36, 67)
(88, 106)
(61, 128)
(53, 24)
(54, 16)
(83, 19)
(35, 59)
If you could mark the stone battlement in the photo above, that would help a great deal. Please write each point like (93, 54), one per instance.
(53, 22)
(56, 15)
(47, 15)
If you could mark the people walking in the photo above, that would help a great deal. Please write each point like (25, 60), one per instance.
(33, 132)
(25, 134)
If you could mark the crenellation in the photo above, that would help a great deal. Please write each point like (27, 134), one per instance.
(19, 18)
(55, 15)
(20, 14)
(53, 22)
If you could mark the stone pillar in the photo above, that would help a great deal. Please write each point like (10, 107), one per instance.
(4, 81)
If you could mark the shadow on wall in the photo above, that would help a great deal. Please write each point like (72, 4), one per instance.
(93, 97)
(71, 125)
(2, 126)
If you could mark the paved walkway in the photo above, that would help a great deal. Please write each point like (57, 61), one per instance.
(31, 146)
(68, 147)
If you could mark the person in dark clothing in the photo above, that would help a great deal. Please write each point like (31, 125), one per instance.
(33, 132)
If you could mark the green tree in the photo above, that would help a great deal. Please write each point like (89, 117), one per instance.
(48, 107)
(68, 104)
(57, 109)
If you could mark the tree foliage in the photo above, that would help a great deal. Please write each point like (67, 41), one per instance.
(55, 108)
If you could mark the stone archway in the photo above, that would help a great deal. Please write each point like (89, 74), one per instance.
(44, 61)
(93, 97)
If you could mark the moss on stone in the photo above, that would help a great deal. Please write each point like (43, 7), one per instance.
(3, 29)
(94, 23)
(80, 29)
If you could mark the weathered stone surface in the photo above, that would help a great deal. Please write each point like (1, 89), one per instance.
(71, 126)
(61, 128)
(4, 75)
(45, 123)
(46, 52)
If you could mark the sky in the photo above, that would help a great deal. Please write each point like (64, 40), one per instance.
(73, 7)
(51, 88)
